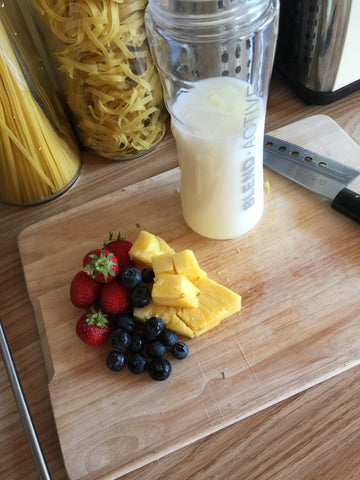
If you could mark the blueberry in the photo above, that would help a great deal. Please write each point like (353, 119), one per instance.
(116, 361)
(147, 275)
(139, 296)
(160, 369)
(130, 277)
(120, 340)
(180, 350)
(125, 321)
(137, 363)
(156, 349)
(153, 327)
(168, 338)
(137, 343)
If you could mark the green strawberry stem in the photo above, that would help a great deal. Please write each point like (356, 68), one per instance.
(112, 239)
(96, 317)
(102, 264)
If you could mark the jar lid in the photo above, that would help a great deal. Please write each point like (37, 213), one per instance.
(207, 13)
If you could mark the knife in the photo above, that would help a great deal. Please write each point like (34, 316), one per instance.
(317, 173)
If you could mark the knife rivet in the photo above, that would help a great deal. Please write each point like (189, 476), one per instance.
(322, 164)
(308, 159)
(295, 153)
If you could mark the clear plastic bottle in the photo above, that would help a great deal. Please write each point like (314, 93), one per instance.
(40, 157)
(215, 59)
(106, 73)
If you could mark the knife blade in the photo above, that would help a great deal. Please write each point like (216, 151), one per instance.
(318, 173)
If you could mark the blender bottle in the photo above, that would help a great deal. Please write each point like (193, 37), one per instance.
(215, 59)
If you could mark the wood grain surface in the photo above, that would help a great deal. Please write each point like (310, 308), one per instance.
(297, 272)
(314, 435)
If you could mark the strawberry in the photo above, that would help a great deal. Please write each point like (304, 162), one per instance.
(120, 247)
(93, 327)
(84, 290)
(114, 298)
(101, 264)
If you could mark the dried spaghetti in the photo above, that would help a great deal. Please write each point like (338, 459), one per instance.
(36, 161)
(111, 84)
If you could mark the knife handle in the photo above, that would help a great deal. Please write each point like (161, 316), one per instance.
(347, 202)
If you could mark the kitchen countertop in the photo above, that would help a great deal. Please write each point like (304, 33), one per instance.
(313, 435)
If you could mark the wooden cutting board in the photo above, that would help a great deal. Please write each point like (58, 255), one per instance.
(298, 272)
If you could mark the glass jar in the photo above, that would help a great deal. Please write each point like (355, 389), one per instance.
(215, 59)
(106, 73)
(40, 157)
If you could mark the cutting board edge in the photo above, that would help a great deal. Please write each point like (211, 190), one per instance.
(134, 465)
(322, 118)
(49, 365)
(28, 230)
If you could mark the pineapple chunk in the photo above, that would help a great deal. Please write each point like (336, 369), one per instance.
(216, 295)
(146, 246)
(175, 291)
(154, 310)
(168, 314)
(164, 247)
(177, 325)
(163, 264)
(183, 296)
(216, 303)
(186, 264)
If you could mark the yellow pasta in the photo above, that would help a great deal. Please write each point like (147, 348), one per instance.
(109, 77)
(38, 159)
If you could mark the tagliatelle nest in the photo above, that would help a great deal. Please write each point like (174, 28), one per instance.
(111, 83)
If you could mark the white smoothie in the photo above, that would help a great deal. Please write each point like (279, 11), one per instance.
(218, 126)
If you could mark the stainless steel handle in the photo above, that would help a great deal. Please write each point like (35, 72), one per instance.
(21, 404)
